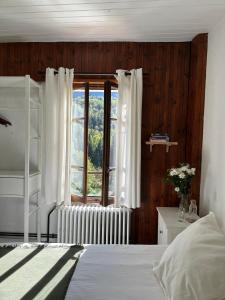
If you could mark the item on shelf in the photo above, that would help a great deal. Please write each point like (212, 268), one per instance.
(193, 208)
(159, 137)
(192, 215)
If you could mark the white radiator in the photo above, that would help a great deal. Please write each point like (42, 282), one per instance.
(93, 225)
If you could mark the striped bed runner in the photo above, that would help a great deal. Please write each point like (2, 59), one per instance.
(36, 271)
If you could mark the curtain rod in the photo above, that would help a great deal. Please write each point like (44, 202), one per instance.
(97, 74)
(91, 74)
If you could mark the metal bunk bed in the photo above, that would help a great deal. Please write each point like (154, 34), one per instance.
(20, 177)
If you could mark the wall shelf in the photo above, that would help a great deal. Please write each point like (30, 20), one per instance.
(155, 142)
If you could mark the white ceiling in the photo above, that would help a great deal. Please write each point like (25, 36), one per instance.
(107, 20)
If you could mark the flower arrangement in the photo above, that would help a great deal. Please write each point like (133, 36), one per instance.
(181, 178)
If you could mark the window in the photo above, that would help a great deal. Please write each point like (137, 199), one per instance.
(94, 122)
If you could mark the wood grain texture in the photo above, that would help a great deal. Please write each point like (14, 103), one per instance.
(196, 99)
(167, 103)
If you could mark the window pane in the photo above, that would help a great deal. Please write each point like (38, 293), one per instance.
(94, 185)
(112, 157)
(77, 182)
(94, 144)
(78, 143)
(114, 103)
(95, 141)
(78, 103)
(112, 184)
(95, 128)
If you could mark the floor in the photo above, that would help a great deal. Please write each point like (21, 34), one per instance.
(11, 239)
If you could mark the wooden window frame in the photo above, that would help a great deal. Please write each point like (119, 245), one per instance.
(106, 85)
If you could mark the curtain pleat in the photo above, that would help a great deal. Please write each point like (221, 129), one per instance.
(128, 139)
(57, 149)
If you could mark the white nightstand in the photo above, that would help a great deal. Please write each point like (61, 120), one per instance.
(168, 225)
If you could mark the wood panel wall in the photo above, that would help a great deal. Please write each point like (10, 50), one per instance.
(169, 97)
(196, 99)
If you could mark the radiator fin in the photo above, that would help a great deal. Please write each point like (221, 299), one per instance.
(85, 224)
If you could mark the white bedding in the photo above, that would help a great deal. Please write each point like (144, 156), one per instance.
(114, 272)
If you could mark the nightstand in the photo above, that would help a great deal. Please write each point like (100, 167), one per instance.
(168, 225)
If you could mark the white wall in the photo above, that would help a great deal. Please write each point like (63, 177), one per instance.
(11, 217)
(213, 160)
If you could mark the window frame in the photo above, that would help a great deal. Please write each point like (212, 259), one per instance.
(106, 85)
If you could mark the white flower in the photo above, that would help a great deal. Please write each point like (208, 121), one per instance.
(182, 175)
(173, 172)
(193, 171)
(177, 189)
(184, 169)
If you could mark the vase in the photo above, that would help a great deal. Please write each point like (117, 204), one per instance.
(183, 207)
(184, 202)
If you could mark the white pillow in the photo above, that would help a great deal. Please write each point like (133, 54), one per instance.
(193, 265)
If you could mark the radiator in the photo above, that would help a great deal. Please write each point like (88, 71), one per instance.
(93, 225)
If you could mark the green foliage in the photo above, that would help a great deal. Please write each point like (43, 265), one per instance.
(95, 142)
(96, 113)
(95, 147)
(94, 183)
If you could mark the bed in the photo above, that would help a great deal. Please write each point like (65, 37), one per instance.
(192, 267)
(104, 272)
(116, 272)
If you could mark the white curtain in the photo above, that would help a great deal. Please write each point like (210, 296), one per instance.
(57, 117)
(128, 141)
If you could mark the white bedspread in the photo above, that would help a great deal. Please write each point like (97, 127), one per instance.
(114, 272)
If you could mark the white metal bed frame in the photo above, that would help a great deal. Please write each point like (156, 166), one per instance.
(27, 183)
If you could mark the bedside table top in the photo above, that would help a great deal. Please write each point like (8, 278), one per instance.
(170, 218)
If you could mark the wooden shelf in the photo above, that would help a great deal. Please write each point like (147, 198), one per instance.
(167, 144)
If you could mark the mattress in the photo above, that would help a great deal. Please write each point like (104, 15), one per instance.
(109, 272)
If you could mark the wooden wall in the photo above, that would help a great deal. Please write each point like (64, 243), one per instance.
(168, 102)
(196, 99)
